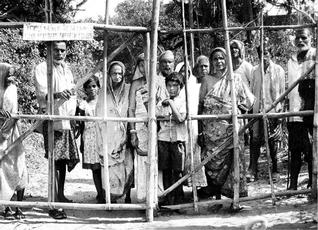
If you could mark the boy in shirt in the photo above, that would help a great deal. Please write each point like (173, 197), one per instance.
(172, 136)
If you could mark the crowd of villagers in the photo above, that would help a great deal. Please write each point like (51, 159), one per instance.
(127, 142)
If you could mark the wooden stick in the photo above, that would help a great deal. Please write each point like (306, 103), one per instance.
(140, 29)
(191, 25)
(152, 124)
(76, 206)
(50, 110)
(315, 131)
(243, 199)
(189, 148)
(265, 119)
(236, 148)
(104, 137)
(228, 140)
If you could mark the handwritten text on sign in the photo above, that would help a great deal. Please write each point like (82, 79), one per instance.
(57, 31)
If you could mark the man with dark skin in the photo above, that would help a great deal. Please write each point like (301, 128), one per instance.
(300, 129)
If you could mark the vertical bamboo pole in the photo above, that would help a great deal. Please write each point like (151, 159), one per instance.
(50, 108)
(234, 111)
(265, 118)
(191, 25)
(105, 76)
(189, 148)
(152, 123)
(315, 129)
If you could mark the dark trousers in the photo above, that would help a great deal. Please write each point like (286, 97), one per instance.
(298, 145)
(171, 162)
(255, 145)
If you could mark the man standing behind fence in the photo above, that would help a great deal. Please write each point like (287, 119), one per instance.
(274, 86)
(65, 150)
(301, 98)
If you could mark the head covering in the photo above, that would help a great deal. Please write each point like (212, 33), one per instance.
(167, 54)
(240, 46)
(217, 49)
(137, 73)
(117, 63)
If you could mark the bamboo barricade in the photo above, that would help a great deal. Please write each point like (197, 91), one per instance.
(243, 199)
(104, 137)
(265, 119)
(78, 206)
(189, 147)
(315, 129)
(140, 29)
(50, 110)
(152, 123)
(228, 140)
(236, 149)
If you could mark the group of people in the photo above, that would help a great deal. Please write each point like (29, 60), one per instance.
(127, 142)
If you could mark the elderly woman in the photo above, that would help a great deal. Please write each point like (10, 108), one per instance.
(13, 171)
(219, 170)
(120, 162)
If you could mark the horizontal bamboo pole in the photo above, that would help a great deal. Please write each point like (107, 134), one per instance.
(140, 29)
(77, 118)
(278, 27)
(243, 199)
(80, 206)
(145, 119)
(253, 115)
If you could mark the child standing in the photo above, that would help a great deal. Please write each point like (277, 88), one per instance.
(88, 147)
(172, 136)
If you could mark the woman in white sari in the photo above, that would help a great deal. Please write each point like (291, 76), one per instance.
(13, 171)
(119, 155)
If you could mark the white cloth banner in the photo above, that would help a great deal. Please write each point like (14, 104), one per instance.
(57, 31)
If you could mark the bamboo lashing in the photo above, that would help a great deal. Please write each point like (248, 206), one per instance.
(189, 147)
(236, 149)
(265, 119)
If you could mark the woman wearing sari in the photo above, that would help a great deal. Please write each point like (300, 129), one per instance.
(13, 171)
(120, 161)
(138, 107)
(217, 100)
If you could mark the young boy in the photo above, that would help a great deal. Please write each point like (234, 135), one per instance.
(172, 136)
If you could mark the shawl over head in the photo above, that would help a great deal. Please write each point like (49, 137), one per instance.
(222, 50)
(240, 46)
(167, 54)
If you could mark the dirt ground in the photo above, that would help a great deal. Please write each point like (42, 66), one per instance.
(295, 212)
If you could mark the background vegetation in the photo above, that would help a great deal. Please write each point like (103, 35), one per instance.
(83, 55)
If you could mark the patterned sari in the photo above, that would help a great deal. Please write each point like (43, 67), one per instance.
(218, 101)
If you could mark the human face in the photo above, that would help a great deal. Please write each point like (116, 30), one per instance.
(92, 90)
(116, 74)
(303, 40)
(173, 89)
(235, 51)
(203, 67)
(166, 65)
(59, 52)
(218, 60)
(267, 58)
